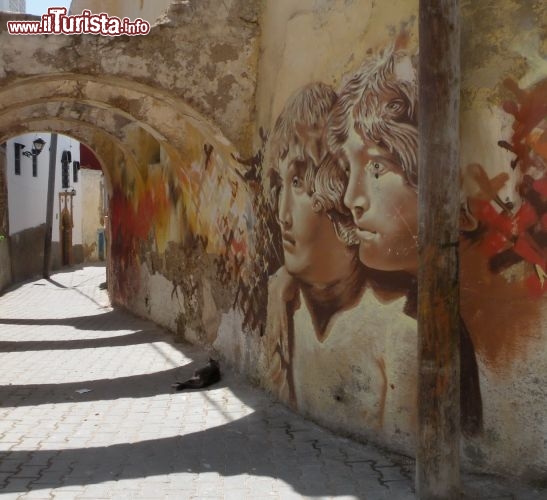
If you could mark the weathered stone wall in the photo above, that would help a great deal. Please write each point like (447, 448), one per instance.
(503, 253)
(201, 54)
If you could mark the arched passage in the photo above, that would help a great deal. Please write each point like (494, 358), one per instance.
(169, 116)
(161, 157)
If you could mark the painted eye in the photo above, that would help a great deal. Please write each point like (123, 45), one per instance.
(296, 182)
(396, 106)
(377, 169)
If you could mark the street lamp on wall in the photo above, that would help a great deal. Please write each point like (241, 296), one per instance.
(37, 146)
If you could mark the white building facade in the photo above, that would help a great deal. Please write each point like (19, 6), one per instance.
(27, 186)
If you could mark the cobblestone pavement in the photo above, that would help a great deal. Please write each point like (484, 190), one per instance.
(87, 411)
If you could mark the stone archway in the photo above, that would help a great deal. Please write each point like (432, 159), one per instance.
(149, 107)
(200, 55)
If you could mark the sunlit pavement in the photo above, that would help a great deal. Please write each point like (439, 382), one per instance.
(87, 411)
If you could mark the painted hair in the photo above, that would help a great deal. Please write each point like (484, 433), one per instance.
(380, 103)
(333, 180)
(299, 131)
(299, 128)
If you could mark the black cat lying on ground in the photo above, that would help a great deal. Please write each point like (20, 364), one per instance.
(204, 377)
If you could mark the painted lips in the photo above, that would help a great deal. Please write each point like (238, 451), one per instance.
(288, 241)
(365, 235)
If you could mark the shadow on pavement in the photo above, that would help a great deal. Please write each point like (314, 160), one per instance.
(135, 338)
(261, 444)
(114, 320)
(134, 386)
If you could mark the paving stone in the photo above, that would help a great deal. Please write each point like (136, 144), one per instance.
(9, 496)
(16, 485)
(45, 494)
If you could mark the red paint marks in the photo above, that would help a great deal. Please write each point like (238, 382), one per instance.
(123, 246)
(523, 232)
(505, 231)
(493, 243)
(402, 40)
(499, 308)
(133, 220)
(528, 249)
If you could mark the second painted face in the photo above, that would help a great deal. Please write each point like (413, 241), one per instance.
(312, 250)
(384, 206)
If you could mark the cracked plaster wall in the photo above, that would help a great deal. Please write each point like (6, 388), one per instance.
(202, 55)
(503, 142)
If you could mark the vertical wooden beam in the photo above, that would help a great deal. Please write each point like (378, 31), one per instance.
(437, 454)
(49, 207)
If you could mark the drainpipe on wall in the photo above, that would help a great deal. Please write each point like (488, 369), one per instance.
(438, 446)
(49, 207)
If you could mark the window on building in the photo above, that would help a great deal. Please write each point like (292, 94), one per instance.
(17, 149)
(75, 170)
(65, 173)
(65, 181)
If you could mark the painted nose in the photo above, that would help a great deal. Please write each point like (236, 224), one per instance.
(355, 197)
(284, 211)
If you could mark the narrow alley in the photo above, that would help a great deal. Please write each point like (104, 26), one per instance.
(87, 411)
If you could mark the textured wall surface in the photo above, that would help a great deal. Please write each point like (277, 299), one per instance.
(504, 253)
(202, 55)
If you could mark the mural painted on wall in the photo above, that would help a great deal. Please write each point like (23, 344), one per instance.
(507, 235)
(313, 239)
(183, 221)
(136, 209)
(305, 252)
(264, 252)
(342, 175)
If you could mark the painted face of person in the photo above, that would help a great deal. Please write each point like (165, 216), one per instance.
(313, 253)
(384, 207)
